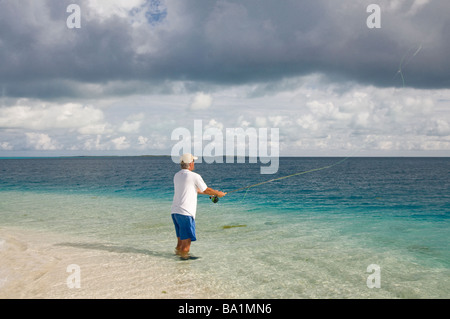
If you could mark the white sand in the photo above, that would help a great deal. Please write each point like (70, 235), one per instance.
(35, 265)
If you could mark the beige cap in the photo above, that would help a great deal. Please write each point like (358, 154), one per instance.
(187, 158)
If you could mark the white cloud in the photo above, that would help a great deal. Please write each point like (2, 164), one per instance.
(119, 8)
(332, 118)
(214, 124)
(130, 127)
(37, 115)
(41, 141)
(201, 101)
(120, 143)
(308, 122)
(416, 6)
(155, 141)
(142, 140)
(92, 143)
(6, 146)
(95, 129)
(260, 121)
(312, 117)
(102, 143)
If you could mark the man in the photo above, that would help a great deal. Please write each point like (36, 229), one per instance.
(187, 185)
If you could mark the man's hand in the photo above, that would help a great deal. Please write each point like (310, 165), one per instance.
(220, 194)
(213, 192)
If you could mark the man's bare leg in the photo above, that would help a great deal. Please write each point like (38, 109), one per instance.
(178, 248)
(184, 247)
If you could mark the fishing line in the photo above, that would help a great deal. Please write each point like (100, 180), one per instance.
(403, 63)
(215, 199)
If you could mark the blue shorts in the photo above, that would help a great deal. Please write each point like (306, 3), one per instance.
(184, 226)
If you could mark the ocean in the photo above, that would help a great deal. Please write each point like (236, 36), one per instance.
(355, 228)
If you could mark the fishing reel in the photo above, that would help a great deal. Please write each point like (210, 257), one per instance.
(214, 199)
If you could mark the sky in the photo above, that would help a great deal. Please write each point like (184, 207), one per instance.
(132, 72)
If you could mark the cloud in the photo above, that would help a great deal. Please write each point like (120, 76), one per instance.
(201, 101)
(312, 116)
(130, 127)
(338, 117)
(416, 6)
(91, 144)
(6, 146)
(213, 124)
(155, 141)
(120, 143)
(132, 123)
(224, 42)
(102, 143)
(38, 115)
(311, 68)
(41, 141)
(142, 140)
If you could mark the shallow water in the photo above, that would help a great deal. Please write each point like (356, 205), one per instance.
(310, 236)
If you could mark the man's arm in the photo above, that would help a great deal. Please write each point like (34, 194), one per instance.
(213, 192)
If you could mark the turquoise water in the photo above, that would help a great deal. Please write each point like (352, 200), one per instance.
(308, 236)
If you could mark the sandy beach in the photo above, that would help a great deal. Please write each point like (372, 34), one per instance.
(40, 265)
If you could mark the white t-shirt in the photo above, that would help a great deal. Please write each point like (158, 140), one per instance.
(186, 184)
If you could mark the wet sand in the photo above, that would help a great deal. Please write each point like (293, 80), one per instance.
(36, 264)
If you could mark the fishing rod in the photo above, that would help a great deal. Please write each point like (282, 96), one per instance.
(215, 199)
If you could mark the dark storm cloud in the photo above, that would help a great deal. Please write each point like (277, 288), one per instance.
(223, 42)
(37, 45)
